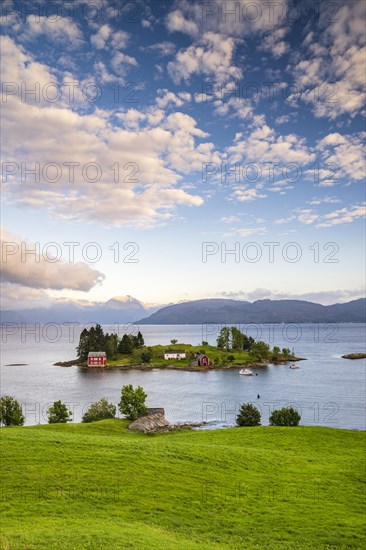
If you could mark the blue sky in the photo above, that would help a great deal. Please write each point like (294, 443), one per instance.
(183, 130)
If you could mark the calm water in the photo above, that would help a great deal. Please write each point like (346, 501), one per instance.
(328, 390)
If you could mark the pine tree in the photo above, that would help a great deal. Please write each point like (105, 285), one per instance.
(125, 345)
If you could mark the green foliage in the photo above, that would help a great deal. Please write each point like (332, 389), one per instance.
(126, 345)
(260, 350)
(223, 340)
(286, 352)
(132, 403)
(248, 415)
(58, 413)
(174, 342)
(94, 339)
(140, 342)
(231, 358)
(233, 339)
(204, 343)
(285, 417)
(10, 412)
(146, 356)
(100, 410)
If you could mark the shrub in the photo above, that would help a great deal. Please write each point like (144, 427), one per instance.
(248, 415)
(285, 417)
(99, 411)
(146, 356)
(10, 412)
(132, 403)
(231, 358)
(59, 413)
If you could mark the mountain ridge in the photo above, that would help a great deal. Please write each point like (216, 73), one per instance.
(211, 310)
(261, 311)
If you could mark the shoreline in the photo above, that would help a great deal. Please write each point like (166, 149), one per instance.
(147, 367)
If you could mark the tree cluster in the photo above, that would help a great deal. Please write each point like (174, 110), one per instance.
(232, 339)
(94, 339)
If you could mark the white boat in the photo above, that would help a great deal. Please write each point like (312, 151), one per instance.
(246, 372)
(294, 367)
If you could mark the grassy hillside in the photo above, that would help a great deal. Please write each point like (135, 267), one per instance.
(218, 356)
(98, 486)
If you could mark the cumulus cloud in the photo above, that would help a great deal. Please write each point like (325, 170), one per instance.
(60, 30)
(24, 263)
(345, 153)
(243, 18)
(211, 56)
(148, 153)
(330, 72)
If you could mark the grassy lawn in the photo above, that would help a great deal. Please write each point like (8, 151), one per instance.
(99, 486)
(215, 354)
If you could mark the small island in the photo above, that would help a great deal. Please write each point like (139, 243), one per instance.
(354, 356)
(234, 350)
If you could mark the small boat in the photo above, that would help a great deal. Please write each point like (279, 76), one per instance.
(246, 372)
(294, 367)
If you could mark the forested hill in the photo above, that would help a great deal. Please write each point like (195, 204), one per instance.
(261, 311)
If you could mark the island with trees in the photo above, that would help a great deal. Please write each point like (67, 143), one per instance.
(233, 350)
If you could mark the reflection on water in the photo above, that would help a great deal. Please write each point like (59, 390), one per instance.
(328, 390)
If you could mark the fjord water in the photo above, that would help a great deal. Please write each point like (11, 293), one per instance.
(326, 389)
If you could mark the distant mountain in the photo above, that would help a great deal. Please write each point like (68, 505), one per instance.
(121, 309)
(126, 309)
(261, 311)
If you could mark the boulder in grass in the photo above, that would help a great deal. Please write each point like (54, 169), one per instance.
(152, 421)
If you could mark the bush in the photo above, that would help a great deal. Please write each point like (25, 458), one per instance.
(248, 415)
(10, 412)
(132, 403)
(146, 356)
(99, 411)
(59, 413)
(285, 417)
(231, 358)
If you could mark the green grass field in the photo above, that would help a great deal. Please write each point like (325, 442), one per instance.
(100, 486)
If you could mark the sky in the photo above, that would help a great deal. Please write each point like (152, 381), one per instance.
(179, 150)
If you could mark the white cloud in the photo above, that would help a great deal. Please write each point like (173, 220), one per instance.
(40, 270)
(121, 63)
(308, 216)
(151, 159)
(331, 76)
(211, 56)
(244, 193)
(170, 98)
(62, 30)
(344, 154)
(99, 39)
(176, 21)
(246, 231)
(163, 49)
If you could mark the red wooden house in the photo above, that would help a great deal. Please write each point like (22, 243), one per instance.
(203, 360)
(97, 359)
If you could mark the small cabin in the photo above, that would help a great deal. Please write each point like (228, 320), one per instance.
(97, 359)
(202, 360)
(174, 354)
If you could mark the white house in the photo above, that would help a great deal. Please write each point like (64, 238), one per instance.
(175, 354)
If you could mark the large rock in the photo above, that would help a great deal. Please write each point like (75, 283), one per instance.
(153, 421)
